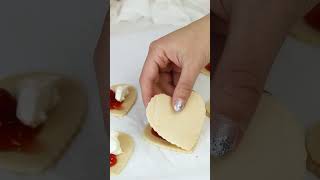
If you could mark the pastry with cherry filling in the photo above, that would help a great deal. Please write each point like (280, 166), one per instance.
(33, 108)
(176, 131)
(121, 149)
(307, 29)
(121, 99)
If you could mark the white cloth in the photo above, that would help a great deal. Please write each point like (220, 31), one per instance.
(171, 12)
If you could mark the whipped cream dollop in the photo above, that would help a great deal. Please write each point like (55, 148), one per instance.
(122, 92)
(35, 97)
(115, 147)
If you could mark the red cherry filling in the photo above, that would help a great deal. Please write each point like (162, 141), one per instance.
(313, 17)
(14, 136)
(114, 104)
(208, 67)
(113, 160)
(8, 103)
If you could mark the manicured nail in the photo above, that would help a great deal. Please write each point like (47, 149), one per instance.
(225, 137)
(178, 105)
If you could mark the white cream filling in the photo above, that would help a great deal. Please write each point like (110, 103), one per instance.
(121, 93)
(35, 97)
(115, 147)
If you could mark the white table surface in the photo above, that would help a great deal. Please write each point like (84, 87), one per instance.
(59, 36)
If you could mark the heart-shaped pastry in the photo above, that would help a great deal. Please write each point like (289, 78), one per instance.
(150, 136)
(127, 103)
(127, 146)
(63, 122)
(179, 128)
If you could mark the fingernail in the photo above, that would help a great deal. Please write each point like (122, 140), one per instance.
(225, 137)
(178, 105)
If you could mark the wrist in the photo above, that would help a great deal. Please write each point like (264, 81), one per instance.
(201, 28)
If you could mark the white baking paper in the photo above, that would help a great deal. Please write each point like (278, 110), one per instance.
(169, 12)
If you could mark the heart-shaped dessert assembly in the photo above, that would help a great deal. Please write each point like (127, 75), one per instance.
(63, 122)
(127, 104)
(181, 129)
(127, 146)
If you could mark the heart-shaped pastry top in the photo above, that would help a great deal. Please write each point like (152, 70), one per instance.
(179, 128)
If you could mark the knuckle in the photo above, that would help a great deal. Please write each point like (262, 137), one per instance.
(242, 80)
(238, 93)
(242, 88)
(157, 54)
(142, 82)
(184, 89)
(245, 94)
(154, 45)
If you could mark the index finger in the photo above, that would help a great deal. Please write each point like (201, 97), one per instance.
(148, 77)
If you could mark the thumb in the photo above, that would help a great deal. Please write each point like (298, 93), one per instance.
(184, 87)
(235, 99)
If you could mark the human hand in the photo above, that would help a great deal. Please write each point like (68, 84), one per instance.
(247, 37)
(175, 61)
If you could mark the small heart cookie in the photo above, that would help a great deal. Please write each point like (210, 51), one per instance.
(127, 103)
(179, 128)
(127, 146)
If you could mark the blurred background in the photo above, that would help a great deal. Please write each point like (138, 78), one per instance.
(59, 36)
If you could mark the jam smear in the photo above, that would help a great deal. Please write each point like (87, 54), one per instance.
(113, 160)
(208, 67)
(313, 17)
(153, 132)
(8, 103)
(114, 104)
(14, 136)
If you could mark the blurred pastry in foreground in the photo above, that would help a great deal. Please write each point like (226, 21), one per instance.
(40, 115)
(307, 28)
